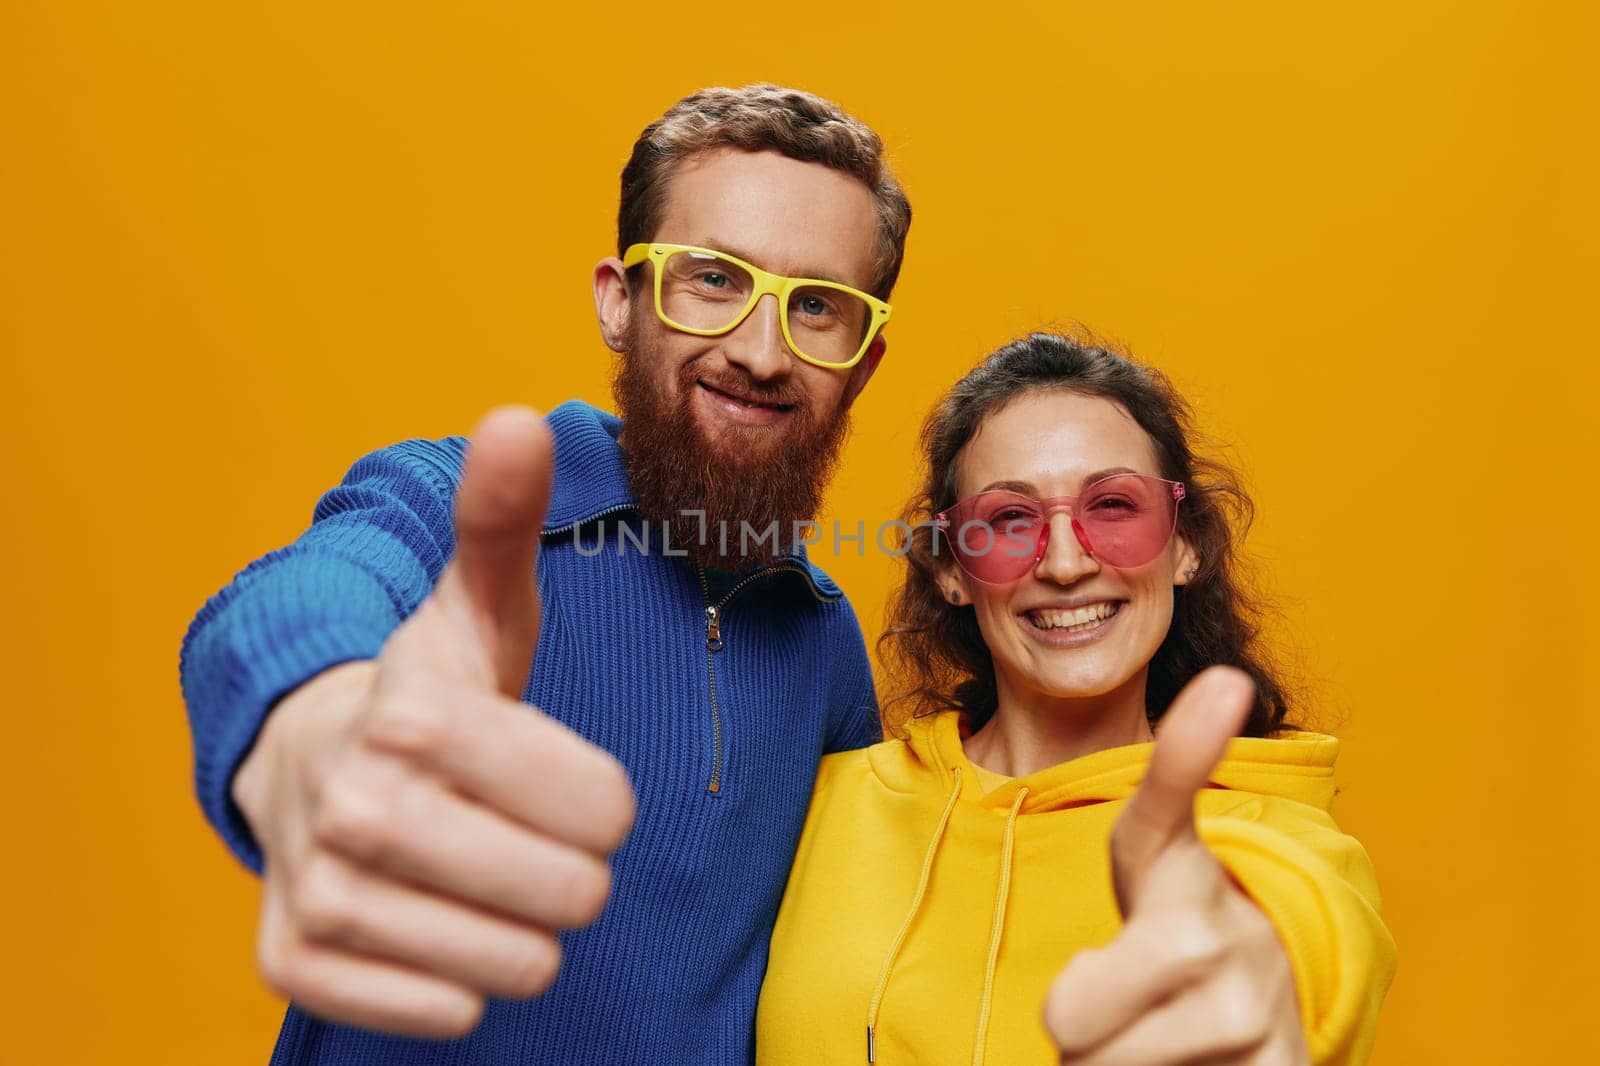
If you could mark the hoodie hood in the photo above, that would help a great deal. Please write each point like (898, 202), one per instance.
(1293, 766)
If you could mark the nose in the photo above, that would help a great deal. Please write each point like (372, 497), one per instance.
(1065, 559)
(757, 344)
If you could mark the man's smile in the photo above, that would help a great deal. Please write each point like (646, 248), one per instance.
(742, 409)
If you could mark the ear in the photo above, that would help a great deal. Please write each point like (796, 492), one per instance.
(1187, 560)
(862, 372)
(954, 587)
(613, 302)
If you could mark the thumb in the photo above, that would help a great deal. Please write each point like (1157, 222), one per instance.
(1193, 735)
(491, 585)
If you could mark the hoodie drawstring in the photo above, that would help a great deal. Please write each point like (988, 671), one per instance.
(996, 927)
(905, 926)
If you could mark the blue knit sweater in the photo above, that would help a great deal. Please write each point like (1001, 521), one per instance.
(721, 745)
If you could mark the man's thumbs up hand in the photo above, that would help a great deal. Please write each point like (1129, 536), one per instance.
(426, 833)
(1198, 973)
(490, 589)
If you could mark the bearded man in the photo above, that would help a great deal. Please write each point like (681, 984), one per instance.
(449, 874)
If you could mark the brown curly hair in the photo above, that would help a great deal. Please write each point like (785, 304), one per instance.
(935, 654)
(758, 118)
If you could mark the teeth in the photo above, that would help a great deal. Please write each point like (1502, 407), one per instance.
(1081, 618)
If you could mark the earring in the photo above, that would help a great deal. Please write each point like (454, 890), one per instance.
(955, 596)
(1189, 573)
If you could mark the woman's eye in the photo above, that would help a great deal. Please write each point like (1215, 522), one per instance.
(1113, 503)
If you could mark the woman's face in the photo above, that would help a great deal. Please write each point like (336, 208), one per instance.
(1071, 628)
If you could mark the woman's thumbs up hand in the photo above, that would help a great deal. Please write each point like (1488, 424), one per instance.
(1197, 973)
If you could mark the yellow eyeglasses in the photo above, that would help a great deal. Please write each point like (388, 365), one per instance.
(708, 293)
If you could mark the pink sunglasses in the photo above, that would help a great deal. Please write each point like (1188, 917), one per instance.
(1123, 520)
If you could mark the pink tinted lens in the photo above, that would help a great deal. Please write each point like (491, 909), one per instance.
(997, 536)
(1127, 519)
(1124, 521)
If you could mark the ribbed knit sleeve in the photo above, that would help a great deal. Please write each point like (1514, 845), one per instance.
(376, 545)
(854, 717)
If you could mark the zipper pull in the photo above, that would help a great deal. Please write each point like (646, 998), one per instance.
(713, 629)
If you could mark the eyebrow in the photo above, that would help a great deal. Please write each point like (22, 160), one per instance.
(1027, 488)
(738, 253)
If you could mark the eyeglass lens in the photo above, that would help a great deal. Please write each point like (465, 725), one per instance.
(1124, 521)
(708, 292)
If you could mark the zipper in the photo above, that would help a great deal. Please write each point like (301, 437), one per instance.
(714, 613)
(714, 644)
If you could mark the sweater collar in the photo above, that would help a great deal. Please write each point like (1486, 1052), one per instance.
(592, 480)
(590, 477)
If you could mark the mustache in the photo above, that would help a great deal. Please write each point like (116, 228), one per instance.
(740, 382)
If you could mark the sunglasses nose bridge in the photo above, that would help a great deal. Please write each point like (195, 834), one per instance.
(1063, 557)
(1059, 505)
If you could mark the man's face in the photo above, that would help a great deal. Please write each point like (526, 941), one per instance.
(750, 431)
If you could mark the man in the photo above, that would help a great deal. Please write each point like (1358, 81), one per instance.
(423, 837)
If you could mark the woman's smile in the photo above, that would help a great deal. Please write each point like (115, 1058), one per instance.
(1071, 626)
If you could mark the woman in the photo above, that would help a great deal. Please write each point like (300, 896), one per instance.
(1071, 571)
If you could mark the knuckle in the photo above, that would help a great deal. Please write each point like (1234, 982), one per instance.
(533, 968)
(1061, 1022)
(324, 901)
(320, 994)
(413, 807)
(1257, 930)
(1074, 973)
(451, 1016)
(276, 964)
(615, 816)
(581, 892)
(1191, 941)
(351, 818)
(1061, 1002)
(410, 727)
(1240, 1020)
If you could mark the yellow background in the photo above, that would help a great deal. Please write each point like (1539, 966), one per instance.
(242, 244)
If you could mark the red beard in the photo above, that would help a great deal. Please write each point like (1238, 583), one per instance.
(747, 476)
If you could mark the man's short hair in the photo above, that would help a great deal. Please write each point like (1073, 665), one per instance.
(759, 118)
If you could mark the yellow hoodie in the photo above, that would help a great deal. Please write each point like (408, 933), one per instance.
(1019, 879)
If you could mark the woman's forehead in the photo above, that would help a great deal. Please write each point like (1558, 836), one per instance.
(1054, 441)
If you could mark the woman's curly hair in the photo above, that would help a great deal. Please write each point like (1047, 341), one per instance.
(936, 655)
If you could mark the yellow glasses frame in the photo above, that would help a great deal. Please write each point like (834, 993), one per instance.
(765, 282)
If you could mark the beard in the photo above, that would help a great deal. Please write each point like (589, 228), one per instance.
(748, 474)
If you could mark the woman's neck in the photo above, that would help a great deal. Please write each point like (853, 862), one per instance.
(1031, 731)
